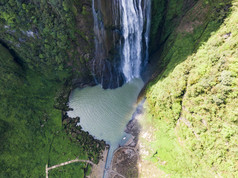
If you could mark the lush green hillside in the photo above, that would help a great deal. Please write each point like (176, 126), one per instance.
(191, 123)
(192, 107)
(42, 43)
(49, 36)
(32, 134)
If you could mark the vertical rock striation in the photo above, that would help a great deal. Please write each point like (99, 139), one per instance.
(121, 40)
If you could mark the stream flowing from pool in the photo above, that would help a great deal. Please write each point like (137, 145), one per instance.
(105, 113)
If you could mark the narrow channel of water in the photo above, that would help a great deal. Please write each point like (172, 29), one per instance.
(105, 113)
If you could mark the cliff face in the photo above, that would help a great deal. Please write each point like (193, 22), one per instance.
(107, 63)
(56, 38)
(46, 44)
(190, 128)
(166, 15)
(165, 18)
(50, 37)
(191, 103)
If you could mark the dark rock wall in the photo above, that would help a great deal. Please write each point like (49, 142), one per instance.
(106, 66)
(166, 15)
(58, 37)
(54, 38)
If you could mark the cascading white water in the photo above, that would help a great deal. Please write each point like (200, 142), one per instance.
(121, 29)
(135, 20)
(131, 19)
(147, 15)
(132, 29)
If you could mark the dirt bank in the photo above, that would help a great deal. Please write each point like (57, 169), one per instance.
(98, 170)
(125, 158)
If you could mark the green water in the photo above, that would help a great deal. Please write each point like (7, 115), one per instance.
(105, 113)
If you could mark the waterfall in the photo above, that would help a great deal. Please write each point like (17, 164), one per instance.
(132, 29)
(122, 29)
(147, 16)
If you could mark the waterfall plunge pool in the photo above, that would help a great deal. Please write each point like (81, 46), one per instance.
(105, 113)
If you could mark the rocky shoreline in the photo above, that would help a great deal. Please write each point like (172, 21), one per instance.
(125, 158)
(87, 141)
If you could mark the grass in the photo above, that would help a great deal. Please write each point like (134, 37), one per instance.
(192, 105)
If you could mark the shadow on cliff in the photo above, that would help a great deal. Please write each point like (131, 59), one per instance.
(194, 29)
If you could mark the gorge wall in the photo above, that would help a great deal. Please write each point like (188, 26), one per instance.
(59, 38)
(121, 40)
(48, 47)
(190, 125)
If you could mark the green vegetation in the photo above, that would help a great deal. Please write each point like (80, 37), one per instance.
(166, 15)
(45, 33)
(192, 105)
(72, 170)
(41, 40)
(32, 134)
(157, 15)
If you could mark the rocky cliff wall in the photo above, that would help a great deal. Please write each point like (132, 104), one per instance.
(51, 37)
(190, 127)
